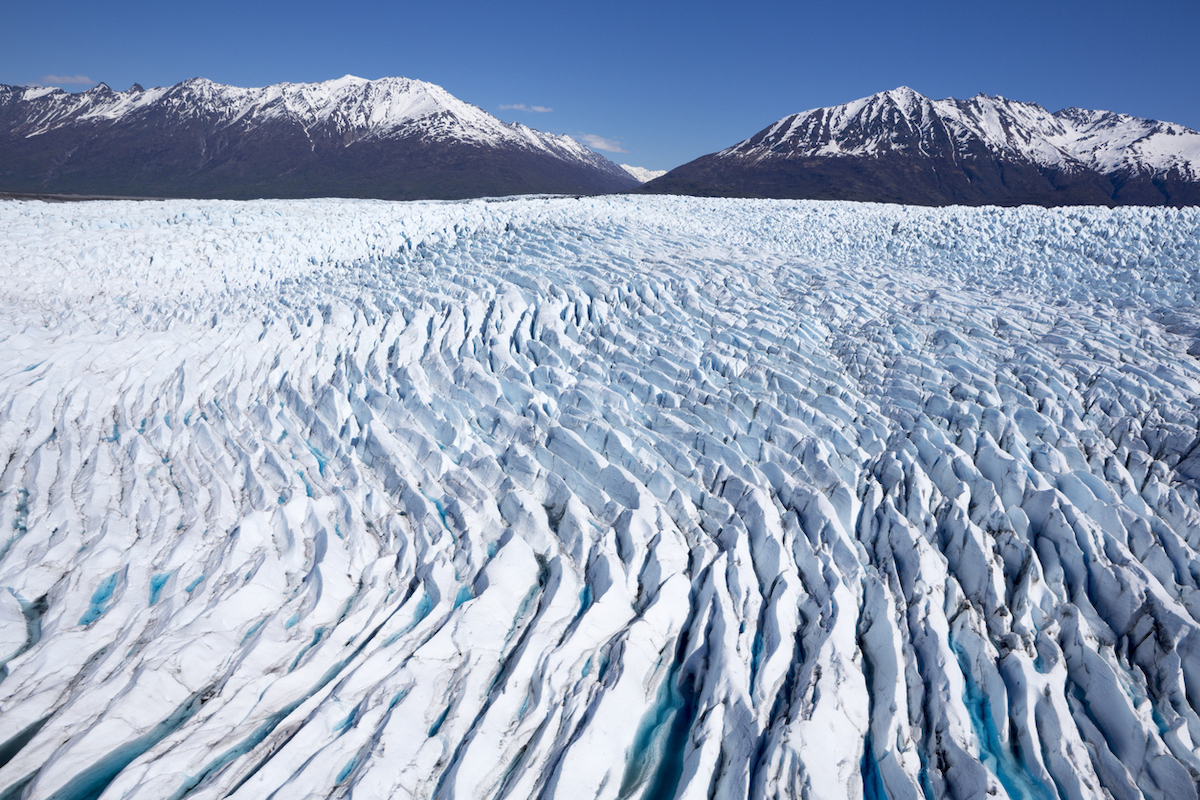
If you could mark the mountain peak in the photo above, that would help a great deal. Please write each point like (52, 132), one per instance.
(348, 80)
(288, 125)
(900, 146)
(1025, 131)
(903, 94)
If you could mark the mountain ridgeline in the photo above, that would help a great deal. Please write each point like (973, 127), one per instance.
(902, 147)
(392, 138)
(402, 139)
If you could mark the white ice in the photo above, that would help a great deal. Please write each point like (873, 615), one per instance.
(618, 497)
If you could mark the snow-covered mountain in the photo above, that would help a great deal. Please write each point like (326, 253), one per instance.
(642, 174)
(901, 146)
(393, 137)
(626, 498)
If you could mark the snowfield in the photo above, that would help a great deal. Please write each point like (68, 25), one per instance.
(640, 497)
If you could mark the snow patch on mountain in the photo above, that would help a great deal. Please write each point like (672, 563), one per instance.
(642, 174)
(1115, 142)
(351, 107)
(901, 119)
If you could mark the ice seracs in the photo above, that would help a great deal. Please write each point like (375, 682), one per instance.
(630, 497)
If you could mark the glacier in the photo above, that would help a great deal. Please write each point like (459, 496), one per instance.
(624, 497)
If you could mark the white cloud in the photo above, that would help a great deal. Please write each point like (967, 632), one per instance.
(71, 80)
(523, 107)
(600, 143)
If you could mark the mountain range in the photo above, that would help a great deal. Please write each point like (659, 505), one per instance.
(392, 138)
(402, 139)
(902, 147)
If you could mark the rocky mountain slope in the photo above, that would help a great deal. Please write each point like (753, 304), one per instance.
(624, 497)
(392, 138)
(902, 147)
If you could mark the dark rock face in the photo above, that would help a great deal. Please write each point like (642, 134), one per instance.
(901, 147)
(389, 139)
(886, 179)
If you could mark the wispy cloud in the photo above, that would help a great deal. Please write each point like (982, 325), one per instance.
(523, 107)
(600, 143)
(70, 80)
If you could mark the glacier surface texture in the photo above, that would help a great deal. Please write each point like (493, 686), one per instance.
(619, 497)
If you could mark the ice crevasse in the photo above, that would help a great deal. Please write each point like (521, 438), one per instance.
(612, 497)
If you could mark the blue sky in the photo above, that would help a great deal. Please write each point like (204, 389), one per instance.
(664, 82)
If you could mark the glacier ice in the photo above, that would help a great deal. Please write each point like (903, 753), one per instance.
(643, 497)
